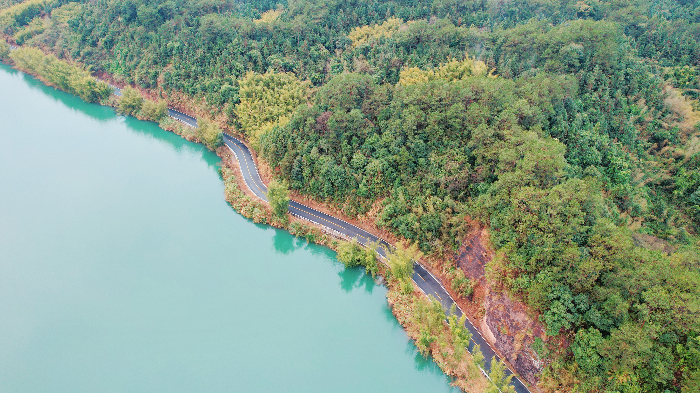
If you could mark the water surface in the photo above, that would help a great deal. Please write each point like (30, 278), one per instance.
(122, 269)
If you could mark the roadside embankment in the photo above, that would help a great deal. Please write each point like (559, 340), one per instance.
(437, 339)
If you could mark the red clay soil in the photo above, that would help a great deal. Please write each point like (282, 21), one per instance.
(506, 322)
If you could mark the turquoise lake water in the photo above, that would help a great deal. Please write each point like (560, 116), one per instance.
(122, 269)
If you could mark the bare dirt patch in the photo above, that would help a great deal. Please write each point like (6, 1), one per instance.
(509, 322)
(652, 243)
(506, 322)
(684, 115)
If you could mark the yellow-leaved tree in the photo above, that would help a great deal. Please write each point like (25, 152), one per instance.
(268, 100)
(362, 34)
(451, 71)
(269, 16)
(209, 133)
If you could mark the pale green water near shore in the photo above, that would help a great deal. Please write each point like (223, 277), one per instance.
(122, 269)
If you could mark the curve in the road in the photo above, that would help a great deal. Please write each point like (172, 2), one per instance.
(421, 276)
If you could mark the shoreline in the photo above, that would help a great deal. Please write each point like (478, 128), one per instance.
(251, 207)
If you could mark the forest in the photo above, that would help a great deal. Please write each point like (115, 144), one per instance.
(569, 129)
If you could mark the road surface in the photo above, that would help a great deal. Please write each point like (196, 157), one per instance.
(425, 281)
(421, 276)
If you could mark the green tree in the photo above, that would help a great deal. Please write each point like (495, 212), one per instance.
(130, 101)
(267, 100)
(352, 254)
(35, 27)
(690, 364)
(585, 350)
(89, 88)
(278, 196)
(499, 381)
(4, 50)
(349, 254)
(401, 261)
(154, 110)
(460, 334)
(429, 315)
(424, 340)
(209, 133)
(20, 14)
(478, 356)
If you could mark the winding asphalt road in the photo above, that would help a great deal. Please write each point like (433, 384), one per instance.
(421, 276)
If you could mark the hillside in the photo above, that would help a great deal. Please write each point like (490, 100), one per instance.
(560, 139)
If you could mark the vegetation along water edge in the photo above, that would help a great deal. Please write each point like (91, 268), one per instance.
(447, 340)
(543, 156)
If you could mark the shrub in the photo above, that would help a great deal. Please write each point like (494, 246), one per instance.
(424, 341)
(352, 254)
(459, 282)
